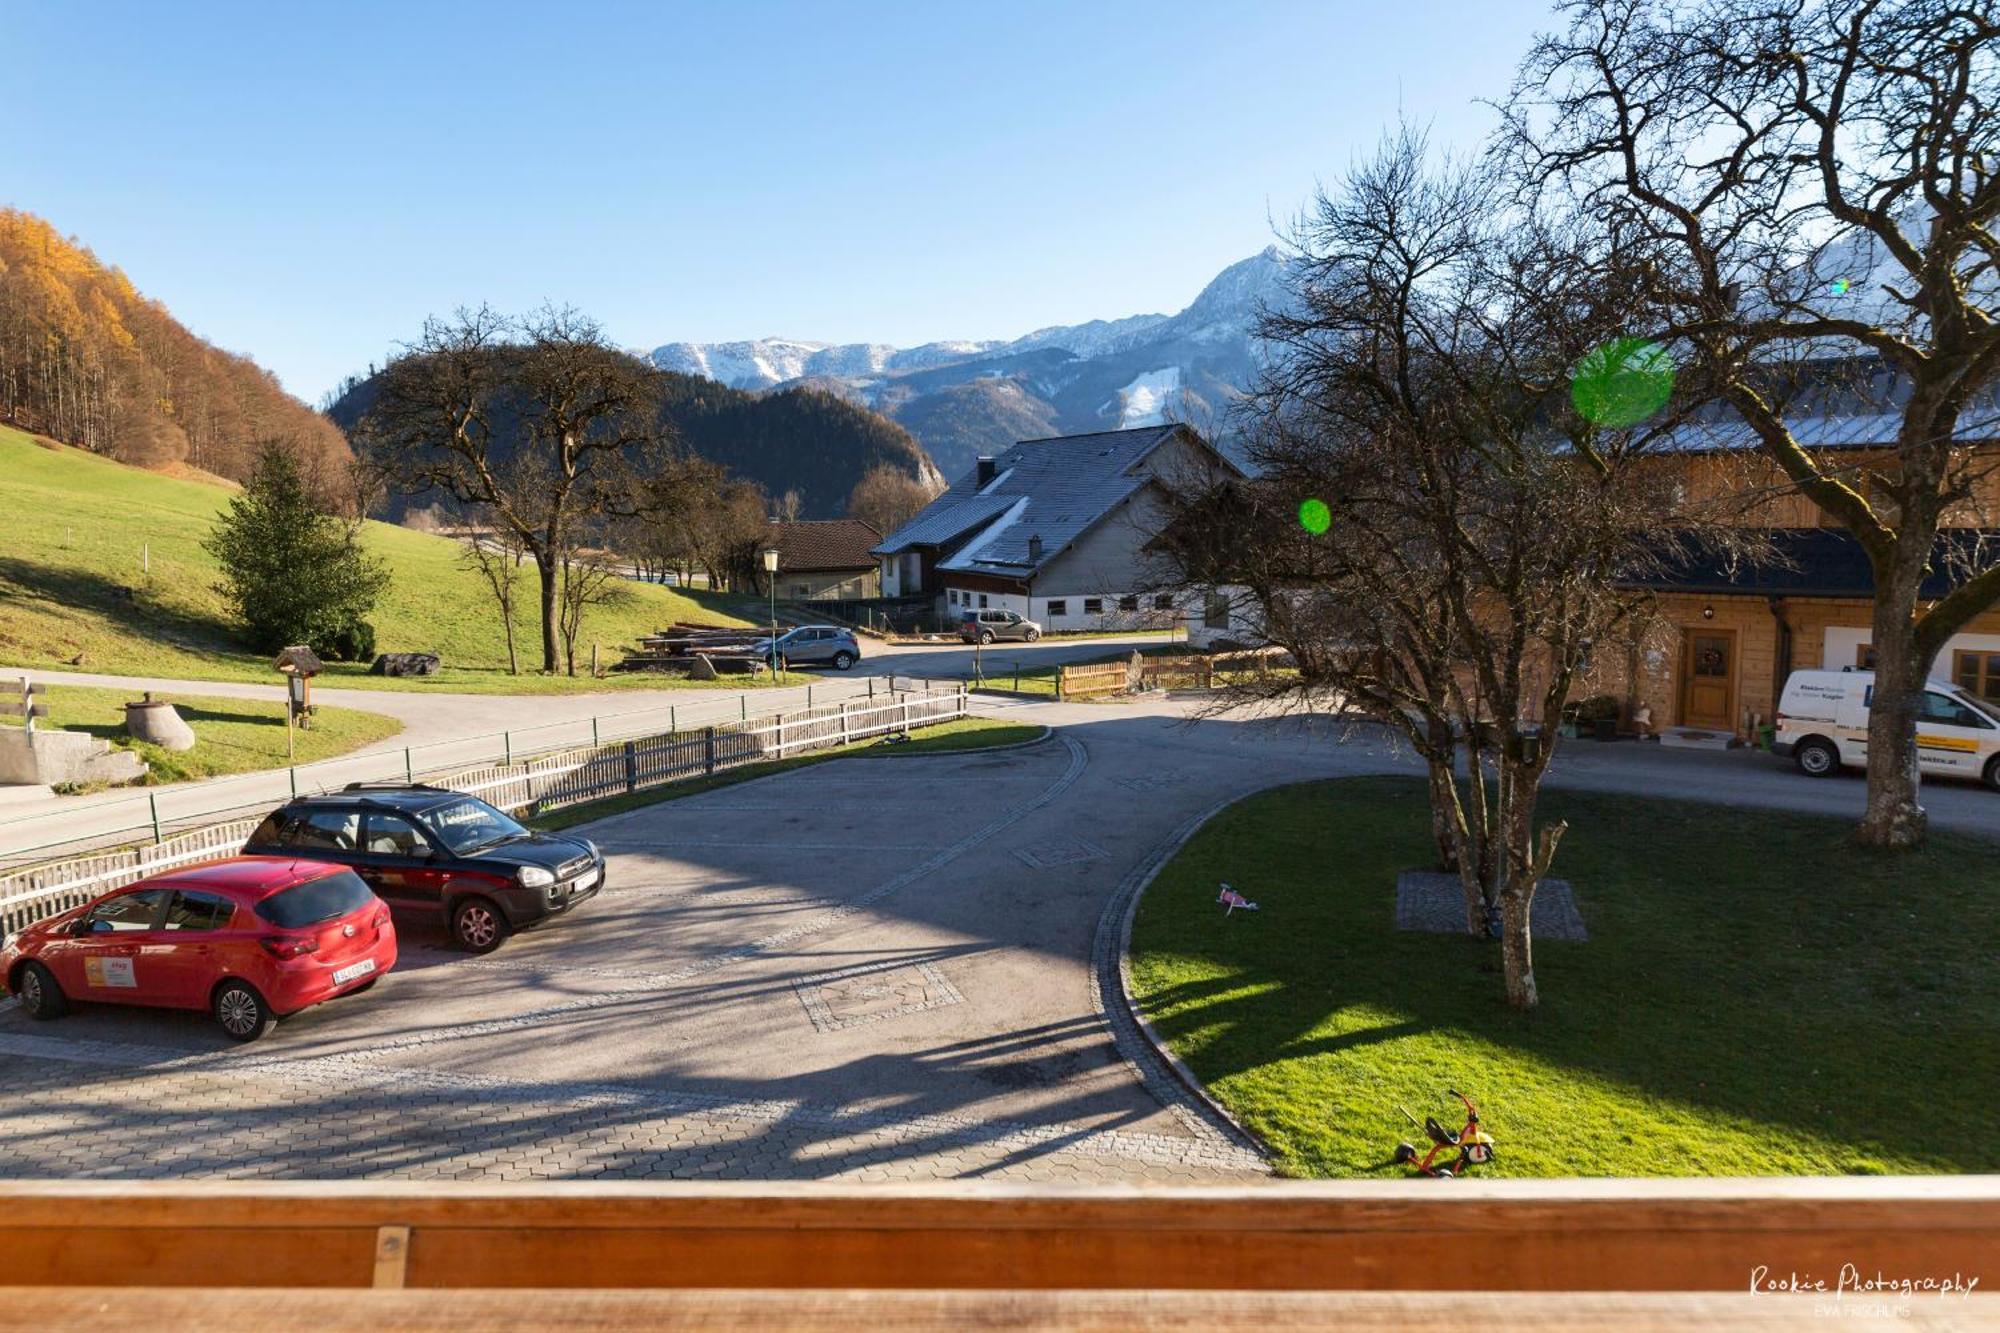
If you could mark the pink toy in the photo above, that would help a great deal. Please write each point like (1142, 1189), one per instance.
(1231, 900)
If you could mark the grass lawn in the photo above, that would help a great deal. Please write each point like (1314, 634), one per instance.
(969, 733)
(1757, 997)
(104, 560)
(231, 735)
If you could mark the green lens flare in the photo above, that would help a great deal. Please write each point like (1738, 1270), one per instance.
(1622, 383)
(1315, 517)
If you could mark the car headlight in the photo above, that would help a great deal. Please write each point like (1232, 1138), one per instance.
(534, 877)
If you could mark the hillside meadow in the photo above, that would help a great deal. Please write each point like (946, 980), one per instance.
(102, 569)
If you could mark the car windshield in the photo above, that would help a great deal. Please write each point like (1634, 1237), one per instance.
(468, 824)
(315, 901)
(1983, 707)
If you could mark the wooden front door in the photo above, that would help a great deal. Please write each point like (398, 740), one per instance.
(1708, 679)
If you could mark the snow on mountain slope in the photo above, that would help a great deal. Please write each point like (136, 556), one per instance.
(1144, 402)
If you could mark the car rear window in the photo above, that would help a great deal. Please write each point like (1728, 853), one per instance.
(315, 901)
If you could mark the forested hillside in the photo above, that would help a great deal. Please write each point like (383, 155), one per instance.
(85, 358)
(803, 440)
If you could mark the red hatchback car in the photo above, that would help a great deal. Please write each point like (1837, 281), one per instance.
(248, 939)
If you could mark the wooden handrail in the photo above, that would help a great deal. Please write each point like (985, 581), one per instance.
(1603, 1235)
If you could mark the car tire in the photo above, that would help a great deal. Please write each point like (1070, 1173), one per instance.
(479, 925)
(986, 636)
(40, 993)
(1993, 772)
(1817, 757)
(241, 1011)
(843, 660)
(1032, 635)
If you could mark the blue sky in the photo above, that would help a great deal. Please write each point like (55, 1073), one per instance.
(306, 182)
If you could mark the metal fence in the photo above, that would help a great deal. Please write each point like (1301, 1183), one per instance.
(530, 783)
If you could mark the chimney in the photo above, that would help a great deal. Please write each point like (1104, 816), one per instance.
(1035, 549)
(989, 467)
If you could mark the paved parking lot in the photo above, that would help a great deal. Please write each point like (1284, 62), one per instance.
(875, 969)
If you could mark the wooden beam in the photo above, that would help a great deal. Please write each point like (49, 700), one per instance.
(146, 1310)
(1464, 1235)
(20, 708)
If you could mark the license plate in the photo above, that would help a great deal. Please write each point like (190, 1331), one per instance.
(585, 883)
(353, 970)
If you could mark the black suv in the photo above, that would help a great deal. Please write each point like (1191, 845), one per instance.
(438, 855)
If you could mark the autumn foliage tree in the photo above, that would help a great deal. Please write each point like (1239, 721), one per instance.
(87, 360)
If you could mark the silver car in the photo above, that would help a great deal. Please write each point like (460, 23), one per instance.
(812, 645)
(989, 626)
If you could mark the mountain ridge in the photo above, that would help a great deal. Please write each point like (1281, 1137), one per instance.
(963, 397)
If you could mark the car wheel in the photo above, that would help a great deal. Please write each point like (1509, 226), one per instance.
(39, 992)
(1993, 773)
(1032, 635)
(478, 926)
(241, 1012)
(986, 636)
(1817, 758)
(843, 660)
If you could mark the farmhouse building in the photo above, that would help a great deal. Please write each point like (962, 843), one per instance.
(823, 561)
(1055, 530)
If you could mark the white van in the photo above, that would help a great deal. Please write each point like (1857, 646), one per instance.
(1823, 725)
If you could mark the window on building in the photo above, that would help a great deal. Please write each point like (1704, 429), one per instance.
(982, 599)
(802, 590)
(1093, 606)
(951, 595)
(1128, 603)
(1163, 602)
(1058, 607)
(1978, 673)
(1864, 657)
(1215, 612)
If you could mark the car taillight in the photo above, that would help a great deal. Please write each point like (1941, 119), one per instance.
(289, 946)
(381, 919)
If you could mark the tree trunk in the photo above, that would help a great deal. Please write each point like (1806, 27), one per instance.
(1517, 947)
(545, 566)
(1894, 819)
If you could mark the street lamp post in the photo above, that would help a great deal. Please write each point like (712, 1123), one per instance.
(771, 577)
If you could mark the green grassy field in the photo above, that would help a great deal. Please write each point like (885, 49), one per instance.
(967, 733)
(231, 735)
(1757, 996)
(105, 561)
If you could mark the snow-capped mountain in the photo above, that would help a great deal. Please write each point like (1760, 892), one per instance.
(964, 398)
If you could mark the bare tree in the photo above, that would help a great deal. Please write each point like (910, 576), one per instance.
(887, 497)
(541, 424)
(497, 556)
(1802, 180)
(1434, 533)
(791, 506)
(589, 578)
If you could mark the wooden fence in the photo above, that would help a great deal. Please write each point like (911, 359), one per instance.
(531, 784)
(1084, 682)
(1169, 671)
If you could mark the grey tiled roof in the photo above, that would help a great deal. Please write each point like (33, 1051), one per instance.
(1055, 489)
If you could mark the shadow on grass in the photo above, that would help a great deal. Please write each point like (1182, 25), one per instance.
(127, 604)
(1756, 995)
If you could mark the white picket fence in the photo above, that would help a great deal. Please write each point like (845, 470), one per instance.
(532, 784)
